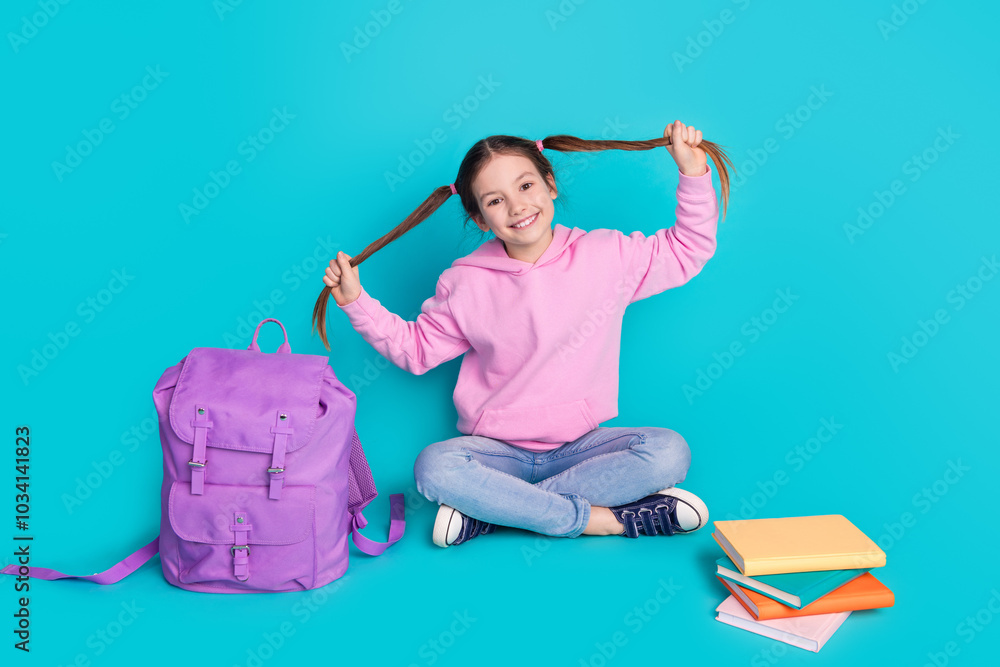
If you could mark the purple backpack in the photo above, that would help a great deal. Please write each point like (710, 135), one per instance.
(264, 477)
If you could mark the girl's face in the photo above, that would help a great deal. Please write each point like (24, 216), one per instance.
(515, 203)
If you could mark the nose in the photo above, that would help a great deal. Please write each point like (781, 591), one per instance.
(517, 206)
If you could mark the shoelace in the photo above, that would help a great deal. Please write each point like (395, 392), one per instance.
(473, 527)
(665, 523)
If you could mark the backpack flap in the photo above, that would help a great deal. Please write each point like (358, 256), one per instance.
(248, 401)
(241, 391)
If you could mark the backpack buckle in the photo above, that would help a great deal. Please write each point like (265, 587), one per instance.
(282, 431)
(196, 465)
(233, 548)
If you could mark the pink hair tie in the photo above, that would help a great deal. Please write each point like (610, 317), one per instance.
(539, 144)
(453, 190)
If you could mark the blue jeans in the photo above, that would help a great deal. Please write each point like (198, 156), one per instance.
(551, 492)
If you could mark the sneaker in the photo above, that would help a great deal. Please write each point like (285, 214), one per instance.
(453, 527)
(665, 512)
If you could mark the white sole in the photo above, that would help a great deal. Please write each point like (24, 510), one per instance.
(696, 503)
(445, 516)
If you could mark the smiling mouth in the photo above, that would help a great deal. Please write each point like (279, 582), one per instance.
(527, 222)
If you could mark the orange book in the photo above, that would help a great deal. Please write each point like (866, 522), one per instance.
(865, 592)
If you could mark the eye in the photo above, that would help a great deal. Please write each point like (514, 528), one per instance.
(491, 202)
(529, 184)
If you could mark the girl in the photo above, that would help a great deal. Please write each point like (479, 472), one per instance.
(537, 310)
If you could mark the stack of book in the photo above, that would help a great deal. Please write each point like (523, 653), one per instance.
(797, 579)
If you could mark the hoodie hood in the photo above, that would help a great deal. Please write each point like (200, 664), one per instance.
(491, 254)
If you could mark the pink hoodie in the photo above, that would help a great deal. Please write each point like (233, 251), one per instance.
(542, 340)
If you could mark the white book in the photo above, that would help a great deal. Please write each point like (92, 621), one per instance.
(808, 632)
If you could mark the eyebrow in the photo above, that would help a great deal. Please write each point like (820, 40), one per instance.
(485, 194)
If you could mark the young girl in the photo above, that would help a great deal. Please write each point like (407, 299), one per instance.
(538, 310)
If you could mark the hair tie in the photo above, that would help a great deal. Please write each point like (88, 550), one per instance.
(539, 144)
(453, 190)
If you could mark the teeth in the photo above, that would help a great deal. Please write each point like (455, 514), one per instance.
(525, 223)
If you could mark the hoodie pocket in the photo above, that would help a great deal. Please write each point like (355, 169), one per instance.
(563, 422)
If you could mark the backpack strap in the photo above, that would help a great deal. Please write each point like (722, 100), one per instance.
(396, 527)
(281, 430)
(200, 424)
(112, 575)
(361, 491)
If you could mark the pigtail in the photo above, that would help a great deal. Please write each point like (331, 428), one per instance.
(569, 144)
(422, 212)
(479, 155)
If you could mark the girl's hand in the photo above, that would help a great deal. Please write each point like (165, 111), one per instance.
(343, 279)
(690, 159)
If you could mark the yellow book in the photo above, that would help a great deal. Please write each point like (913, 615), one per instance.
(796, 544)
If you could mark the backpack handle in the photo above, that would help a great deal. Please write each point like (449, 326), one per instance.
(285, 347)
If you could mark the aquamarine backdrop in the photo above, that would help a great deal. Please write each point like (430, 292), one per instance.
(856, 277)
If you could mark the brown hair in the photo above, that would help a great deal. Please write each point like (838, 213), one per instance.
(480, 154)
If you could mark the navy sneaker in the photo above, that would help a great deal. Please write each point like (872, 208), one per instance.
(452, 527)
(665, 512)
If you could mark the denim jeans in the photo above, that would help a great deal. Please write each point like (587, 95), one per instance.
(551, 492)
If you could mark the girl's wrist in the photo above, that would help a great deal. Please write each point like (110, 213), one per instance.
(702, 172)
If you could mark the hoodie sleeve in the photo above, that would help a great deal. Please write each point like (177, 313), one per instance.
(417, 346)
(673, 256)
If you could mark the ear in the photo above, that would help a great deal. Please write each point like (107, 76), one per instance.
(478, 219)
(550, 180)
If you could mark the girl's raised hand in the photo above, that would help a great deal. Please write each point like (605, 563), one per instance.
(343, 279)
(690, 159)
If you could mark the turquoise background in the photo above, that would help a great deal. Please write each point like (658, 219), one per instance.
(320, 186)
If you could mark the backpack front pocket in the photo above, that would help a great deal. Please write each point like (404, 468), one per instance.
(234, 536)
